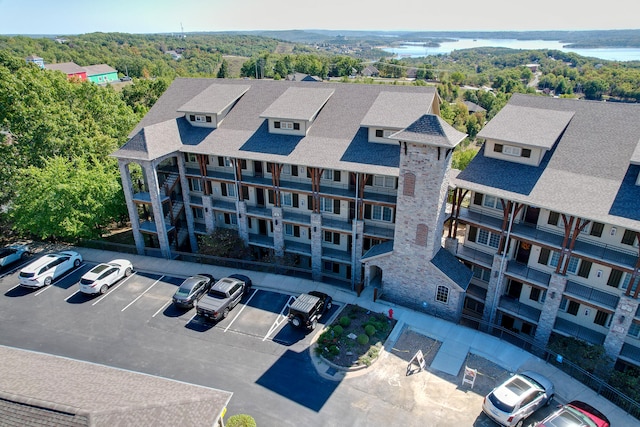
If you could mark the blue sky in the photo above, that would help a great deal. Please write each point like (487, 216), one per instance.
(65, 17)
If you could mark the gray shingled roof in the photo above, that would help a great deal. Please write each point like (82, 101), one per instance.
(453, 268)
(534, 127)
(93, 70)
(66, 67)
(336, 139)
(383, 248)
(430, 130)
(298, 103)
(214, 99)
(587, 173)
(41, 389)
(397, 110)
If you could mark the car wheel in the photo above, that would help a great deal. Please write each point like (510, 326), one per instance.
(225, 313)
(128, 272)
(24, 255)
(329, 305)
(47, 281)
(76, 263)
(313, 324)
(548, 402)
(296, 321)
(103, 289)
(519, 423)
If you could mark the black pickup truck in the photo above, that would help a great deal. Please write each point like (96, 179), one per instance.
(225, 294)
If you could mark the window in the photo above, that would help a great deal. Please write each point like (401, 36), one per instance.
(381, 213)
(634, 330)
(203, 119)
(627, 280)
(326, 204)
(190, 157)
(333, 267)
(286, 199)
(198, 213)
(477, 198)
(382, 133)
(379, 133)
(614, 278)
(585, 268)
(286, 169)
(596, 229)
(573, 308)
(629, 238)
(563, 304)
(555, 257)
(224, 162)
(535, 294)
(228, 190)
(488, 239)
(554, 217)
(195, 184)
(442, 294)
(481, 273)
(332, 237)
(230, 219)
(601, 318)
(490, 201)
(384, 181)
(510, 150)
(573, 265)
(327, 174)
(292, 230)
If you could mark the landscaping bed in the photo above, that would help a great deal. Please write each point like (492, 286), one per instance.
(355, 338)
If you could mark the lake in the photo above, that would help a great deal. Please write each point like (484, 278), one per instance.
(415, 50)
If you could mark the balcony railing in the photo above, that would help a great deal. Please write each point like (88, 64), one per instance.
(566, 327)
(524, 273)
(588, 293)
(297, 247)
(260, 212)
(336, 255)
(261, 240)
(524, 311)
(475, 256)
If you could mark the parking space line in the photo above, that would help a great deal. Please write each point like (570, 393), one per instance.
(15, 287)
(76, 292)
(162, 308)
(117, 286)
(140, 296)
(44, 288)
(280, 319)
(192, 317)
(59, 279)
(243, 307)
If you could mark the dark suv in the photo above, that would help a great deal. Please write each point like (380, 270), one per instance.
(308, 308)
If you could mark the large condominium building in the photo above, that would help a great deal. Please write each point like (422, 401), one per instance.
(350, 179)
(550, 209)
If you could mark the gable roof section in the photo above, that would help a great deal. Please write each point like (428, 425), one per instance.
(397, 110)
(336, 140)
(298, 103)
(214, 99)
(585, 174)
(52, 390)
(533, 127)
(453, 268)
(430, 130)
(66, 67)
(93, 70)
(382, 249)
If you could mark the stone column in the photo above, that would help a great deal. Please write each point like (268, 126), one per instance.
(358, 244)
(557, 284)
(243, 221)
(278, 231)
(451, 244)
(132, 208)
(158, 211)
(316, 246)
(209, 215)
(495, 289)
(620, 324)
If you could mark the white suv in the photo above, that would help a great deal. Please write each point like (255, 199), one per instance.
(45, 269)
(513, 401)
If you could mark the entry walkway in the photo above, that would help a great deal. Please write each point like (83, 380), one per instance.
(457, 340)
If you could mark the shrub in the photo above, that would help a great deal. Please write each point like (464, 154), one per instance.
(338, 330)
(370, 330)
(363, 339)
(345, 321)
(334, 350)
(241, 420)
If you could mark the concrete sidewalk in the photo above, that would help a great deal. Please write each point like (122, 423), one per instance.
(457, 341)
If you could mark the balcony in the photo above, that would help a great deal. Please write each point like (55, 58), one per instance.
(149, 227)
(195, 200)
(477, 292)
(475, 256)
(259, 212)
(261, 240)
(294, 247)
(336, 255)
(222, 205)
(476, 218)
(199, 228)
(378, 232)
(592, 295)
(336, 224)
(296, 218)
(568, 328)
(514, 307)
(526, 274)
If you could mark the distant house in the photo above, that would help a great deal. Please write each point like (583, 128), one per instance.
(370, 71)
(301, 77)
(175, 55)
(101, 74)
(38, 389)
(533, 67)
(35, 60)
(474, 108)
(71, 69)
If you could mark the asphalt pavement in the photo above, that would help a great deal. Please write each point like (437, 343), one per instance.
(457, 341)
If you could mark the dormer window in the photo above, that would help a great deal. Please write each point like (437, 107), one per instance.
(383, 133)
(286, 125)
(512, 150)
(199, 118)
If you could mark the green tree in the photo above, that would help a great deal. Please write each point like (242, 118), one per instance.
(223, 71)
(67, 199)
(462, 157)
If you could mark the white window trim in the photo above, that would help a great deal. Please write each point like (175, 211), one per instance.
(286, 125)
(201, 119)
(511, 150)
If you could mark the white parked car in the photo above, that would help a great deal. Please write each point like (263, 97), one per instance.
(13, 253)
(47, 268)
(513, 401)
(101, 277)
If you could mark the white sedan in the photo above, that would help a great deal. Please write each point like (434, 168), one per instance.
(13, 253)
(101, 277)
(45, 269)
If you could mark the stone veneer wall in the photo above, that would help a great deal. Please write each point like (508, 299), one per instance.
(278, 231)
(557, 284)
(316, 246)
(620, 324)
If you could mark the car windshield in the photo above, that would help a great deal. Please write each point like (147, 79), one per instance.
(5, 252)
(500, 404)
(567, 418)
(182, 291)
